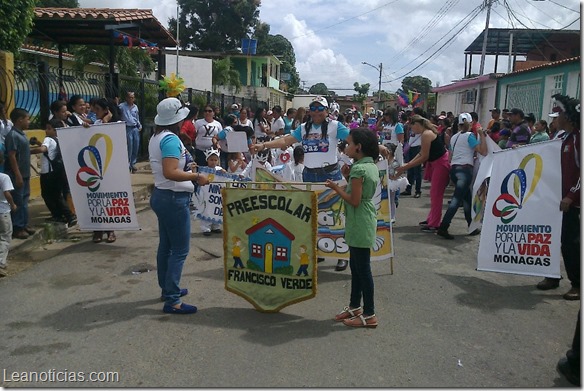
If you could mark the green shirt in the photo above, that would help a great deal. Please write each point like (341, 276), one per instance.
(361, 222)
(539, 137)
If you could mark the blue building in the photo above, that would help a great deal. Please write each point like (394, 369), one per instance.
(270, 245)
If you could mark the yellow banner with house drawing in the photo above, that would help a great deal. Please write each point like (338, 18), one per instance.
(270, 246)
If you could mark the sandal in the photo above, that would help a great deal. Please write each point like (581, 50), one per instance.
(362, 321)
(348, 313)
(97, 236)
(111, 237)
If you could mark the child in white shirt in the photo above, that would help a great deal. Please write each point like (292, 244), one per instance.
(212, 156)
(6, 206)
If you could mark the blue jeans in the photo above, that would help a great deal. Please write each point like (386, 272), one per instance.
(319, 175)
(361, 279)
(414, 173)
(133, 138)
(174, 230)
(461, 176)
(20, 195)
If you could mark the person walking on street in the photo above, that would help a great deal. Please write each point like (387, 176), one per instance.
(130, 115)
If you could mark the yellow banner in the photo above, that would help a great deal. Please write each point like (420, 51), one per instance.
(270, 246)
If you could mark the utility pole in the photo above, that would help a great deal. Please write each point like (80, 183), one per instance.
(488, 4)
(380, 69)
(177, 37)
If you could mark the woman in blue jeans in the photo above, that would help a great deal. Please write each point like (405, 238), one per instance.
(173, 186)
(463, 146)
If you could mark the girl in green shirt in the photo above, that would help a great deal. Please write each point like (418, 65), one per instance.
(360, 224)
(540, 132)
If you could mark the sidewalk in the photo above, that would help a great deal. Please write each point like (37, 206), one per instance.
(142, 183)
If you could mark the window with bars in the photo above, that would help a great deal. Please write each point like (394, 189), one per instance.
(525, 96)
(281, 254)
(558, 83)
(256, 250)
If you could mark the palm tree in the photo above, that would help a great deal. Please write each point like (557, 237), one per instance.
(225, 75)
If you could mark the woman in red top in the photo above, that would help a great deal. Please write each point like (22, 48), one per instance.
(188, 126)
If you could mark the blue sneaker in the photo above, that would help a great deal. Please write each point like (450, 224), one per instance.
(184, 309)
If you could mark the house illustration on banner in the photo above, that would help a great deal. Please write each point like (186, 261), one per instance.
(270, 245)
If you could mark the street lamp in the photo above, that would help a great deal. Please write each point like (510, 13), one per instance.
(380, 69)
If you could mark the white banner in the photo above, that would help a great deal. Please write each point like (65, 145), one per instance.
(481, 185)
(522, 220)
(96, 162)
(207, 199)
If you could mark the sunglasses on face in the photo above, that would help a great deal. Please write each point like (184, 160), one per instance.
(317, 108)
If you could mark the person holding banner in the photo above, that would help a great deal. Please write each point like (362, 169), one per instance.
(173, 188)
(568, 119)
(434, 152)
(360, 224)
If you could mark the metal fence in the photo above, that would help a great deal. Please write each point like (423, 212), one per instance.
(36, 85)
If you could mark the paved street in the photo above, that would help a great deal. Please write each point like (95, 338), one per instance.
(442, 323)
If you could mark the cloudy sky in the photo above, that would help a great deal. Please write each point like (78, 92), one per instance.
(332, 38)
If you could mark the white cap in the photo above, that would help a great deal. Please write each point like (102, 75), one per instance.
(554, 115)
(464, 117)
(234, 106)
(211, 151)
(170, 111)
(321, 100)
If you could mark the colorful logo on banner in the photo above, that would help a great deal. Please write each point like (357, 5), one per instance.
(270, 261)
(510, 201)
(93, 161)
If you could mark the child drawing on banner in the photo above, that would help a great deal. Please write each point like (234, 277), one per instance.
(236, 162)
(360, 225)
(304, 261)
(394, 185)
(212, 156)
(236, 253)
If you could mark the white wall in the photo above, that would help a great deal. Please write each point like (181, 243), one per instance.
(302, 100)
(196, 72)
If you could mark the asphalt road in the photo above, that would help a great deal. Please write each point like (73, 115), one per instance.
(82, 313)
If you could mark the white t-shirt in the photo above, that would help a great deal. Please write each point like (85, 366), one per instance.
(5, 127)
(463, 145)
(5, 185)
(205, 133)
(320, 152)
(155, 153)
(297, 172)
(51, 145)
(278, 124)
(257, 129)
(282, 157)
(247, 122)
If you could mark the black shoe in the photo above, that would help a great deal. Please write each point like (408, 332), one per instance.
(572, 294)
(428, 229)
(423, 223)
(216, 231)
(565, 369)
(341, 265)
(417, 195)
(444, 233)
(406, 193)
(319, 260)
(207, 233)
(548, 283)
(72, 222)
(475, 232)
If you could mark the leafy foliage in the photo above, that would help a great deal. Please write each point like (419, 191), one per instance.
(417, 83)
(57, 3)
(15, 24)
(362, 92)
(215, 25)
(319, 89)
(225, 75)
(130, 61)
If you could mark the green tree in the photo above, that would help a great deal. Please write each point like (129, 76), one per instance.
(417, 83)
(57, 3)
(224, 74)
(215, 25)
(15, 24)
(362, 92)
(319, 89)
(280, 47)
(130, 61)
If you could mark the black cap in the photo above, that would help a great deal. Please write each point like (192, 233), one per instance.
(515, 111)
(530, 117)
(496, 110)
(505, 110)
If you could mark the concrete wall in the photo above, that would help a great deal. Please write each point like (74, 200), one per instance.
(196, 72)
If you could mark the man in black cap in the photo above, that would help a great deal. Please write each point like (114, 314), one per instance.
(495, 117)
(520, 132)
(505, 114)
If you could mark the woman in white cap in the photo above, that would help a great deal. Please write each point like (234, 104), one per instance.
(174, 175)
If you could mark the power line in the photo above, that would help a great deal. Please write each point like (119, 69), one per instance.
(445, 45)
(563, 6)
(475, 11)
(345, 21)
